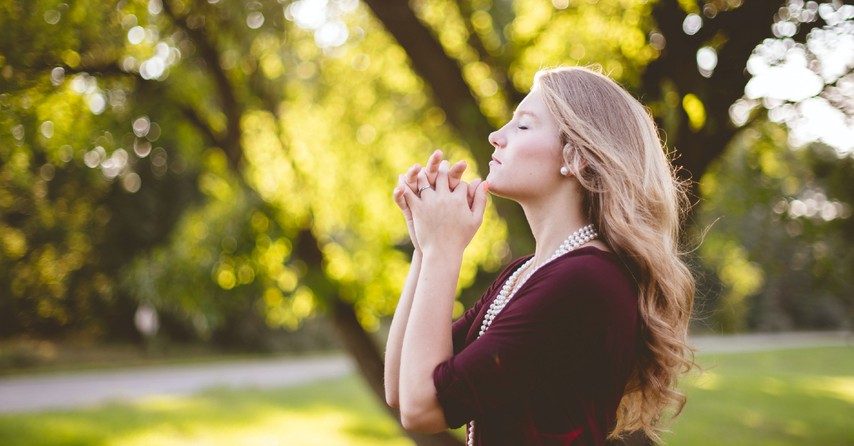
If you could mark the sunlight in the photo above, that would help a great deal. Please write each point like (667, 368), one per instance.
(324, 17)
(319, 425)
(807, 85)
(707, 381)
(837, 387)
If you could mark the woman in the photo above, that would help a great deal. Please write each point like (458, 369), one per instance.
(584, 339)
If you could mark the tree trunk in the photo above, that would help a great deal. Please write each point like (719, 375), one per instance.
(744, 27)
(363, 349)
(360, 345)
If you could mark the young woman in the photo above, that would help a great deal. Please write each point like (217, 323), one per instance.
(584, 339)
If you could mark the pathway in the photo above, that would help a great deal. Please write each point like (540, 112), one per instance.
(75, 389)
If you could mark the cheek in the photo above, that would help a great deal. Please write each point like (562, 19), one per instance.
(541, 150)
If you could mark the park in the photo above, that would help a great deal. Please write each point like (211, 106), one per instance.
(210, 181)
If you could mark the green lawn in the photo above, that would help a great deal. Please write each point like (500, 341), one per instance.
(794, 397)
(339, 412)
(791, 397)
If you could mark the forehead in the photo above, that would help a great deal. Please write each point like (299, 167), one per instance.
(534, 106)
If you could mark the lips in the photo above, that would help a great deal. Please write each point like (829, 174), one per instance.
(496, 160)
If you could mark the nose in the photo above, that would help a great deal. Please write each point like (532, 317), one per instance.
(496, 139)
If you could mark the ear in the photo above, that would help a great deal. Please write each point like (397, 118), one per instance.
(572, 161)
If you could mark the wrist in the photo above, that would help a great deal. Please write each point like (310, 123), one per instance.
(442, 254)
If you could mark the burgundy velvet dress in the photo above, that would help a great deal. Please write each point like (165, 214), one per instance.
(552, 367)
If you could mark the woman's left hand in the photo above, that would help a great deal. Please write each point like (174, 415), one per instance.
(410, 180)
(442, 217)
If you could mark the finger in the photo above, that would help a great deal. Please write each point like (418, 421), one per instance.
(410, 178)
(423, 184)
(403, 182)
(432, 166)
(479, 202)
(471, 189)
(398, 191)
(411, 199)
(456, 174)
(400, 200)
(442, 176)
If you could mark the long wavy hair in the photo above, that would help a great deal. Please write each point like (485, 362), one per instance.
(632, 194)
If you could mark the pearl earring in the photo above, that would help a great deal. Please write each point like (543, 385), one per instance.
(564, 171)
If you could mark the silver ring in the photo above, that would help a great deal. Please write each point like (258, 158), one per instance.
(422, 188)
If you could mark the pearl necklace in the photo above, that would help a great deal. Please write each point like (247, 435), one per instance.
(513, 285)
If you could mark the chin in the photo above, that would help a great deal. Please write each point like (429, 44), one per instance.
(496, 189)
(493, 183)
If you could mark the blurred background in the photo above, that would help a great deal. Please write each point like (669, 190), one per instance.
(210, 180)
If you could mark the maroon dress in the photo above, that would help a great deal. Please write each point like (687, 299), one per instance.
(552, 367)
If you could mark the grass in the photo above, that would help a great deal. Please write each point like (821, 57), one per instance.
(339, 412)
(791, 397)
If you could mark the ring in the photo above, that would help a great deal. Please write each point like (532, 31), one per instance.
(422, 188)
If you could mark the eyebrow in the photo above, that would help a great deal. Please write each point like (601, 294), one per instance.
(519, 113)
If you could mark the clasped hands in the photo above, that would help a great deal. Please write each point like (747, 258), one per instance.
(442, 212)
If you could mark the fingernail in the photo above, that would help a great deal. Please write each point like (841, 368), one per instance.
(486, 186)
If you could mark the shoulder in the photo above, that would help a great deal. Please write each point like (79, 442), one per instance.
(587, 264)
(588, 275)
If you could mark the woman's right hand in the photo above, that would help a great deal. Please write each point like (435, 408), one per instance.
(410, 180)
(445, 220)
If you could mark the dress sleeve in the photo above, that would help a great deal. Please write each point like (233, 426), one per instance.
(554, 326)
(462, 326)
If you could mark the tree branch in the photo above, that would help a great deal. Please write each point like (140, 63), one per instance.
(513, 95)
(196, 120)
(441, 72)
(744, 27)
(231, 107)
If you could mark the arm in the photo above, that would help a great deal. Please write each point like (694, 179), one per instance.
(401, 314)
(395, 335)
(428, 342)
(445, 225)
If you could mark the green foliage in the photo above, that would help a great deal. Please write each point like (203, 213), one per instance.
(231, 164)
(780, 234)
(66, 227)
(219, 262)
(306, 143)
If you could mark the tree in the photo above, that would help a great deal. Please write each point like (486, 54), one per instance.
(313, 231)
(282, 124)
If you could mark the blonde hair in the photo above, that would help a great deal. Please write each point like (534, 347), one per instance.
(633, 196)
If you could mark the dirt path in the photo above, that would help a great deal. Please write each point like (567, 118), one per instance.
(76, 389)
(771, 341)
